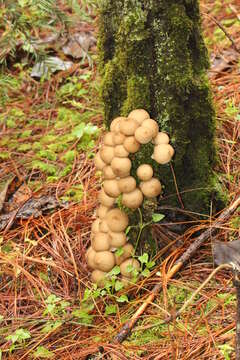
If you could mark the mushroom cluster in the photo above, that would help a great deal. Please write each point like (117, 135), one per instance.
(108, 231)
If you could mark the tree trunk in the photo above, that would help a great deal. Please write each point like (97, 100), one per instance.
(152, 56)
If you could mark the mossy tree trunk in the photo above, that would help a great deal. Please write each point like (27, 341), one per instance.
(152, 56)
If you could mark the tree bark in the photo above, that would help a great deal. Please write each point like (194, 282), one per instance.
(152, 56)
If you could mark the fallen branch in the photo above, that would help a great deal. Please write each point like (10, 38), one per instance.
(223, 217)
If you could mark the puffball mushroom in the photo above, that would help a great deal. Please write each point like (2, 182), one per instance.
(117, 220)
(128, 126)
(98, 277)
(120, 151)
(108, 139)
(95, 226)
(114, 126)
(145, 172)
(131, 144)
(99, 163)
(90, 257)
(163, 153)
(111, 188)
(118, 138)
(152, 125)
(151, 188)
(124, 267)
(127, 184)
(139, 114)
(103, 226)
(143, 135)
(107, 173)
(101, 241)
(121, 166)
(104, 199)
(107, 154)
(161, 138)
(102, 211)
(117, 239)
(133, 199)
(128, 251)
(104, 260)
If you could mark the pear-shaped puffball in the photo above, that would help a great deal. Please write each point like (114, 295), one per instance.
(145, 172)
(139, 114)
(151, 124)
(114, 127)
(108, 139)
(161, 138)
(127, 184)
(120, 151)
(101, 242)
(133, 200)
(95, 226)
(143, 135)
(128, 251)
(118, 138)
(121, 166)
(102, 211)
(117, 220)
(104, 260)
(107, 173)
(99, 163)
(163, 153)
(128, 126)
(107, 154)
(127, 265)
(131, 144)
(118, 239)
(151, 188)
(111, 188)
(98, 277)
(90, 257)
(105, 200)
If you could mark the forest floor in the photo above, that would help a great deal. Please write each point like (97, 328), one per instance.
(49, 132)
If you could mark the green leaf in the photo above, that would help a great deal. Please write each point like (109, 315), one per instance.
(123, 298)
(51, 326)
(157, 217)
(43, 352)
(83, 316)
(19, 335)
(1, 318)
(114, 271)
(110, 309)
(119, 251)
(150, 264)
(118, 285)
(143, 258)
(145, 272)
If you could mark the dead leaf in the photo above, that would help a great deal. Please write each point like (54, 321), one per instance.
(222, 62)
(227, 253)
(78, 44)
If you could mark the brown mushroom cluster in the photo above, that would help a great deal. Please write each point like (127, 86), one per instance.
(108, 231)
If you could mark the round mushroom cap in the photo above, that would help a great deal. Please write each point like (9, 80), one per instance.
(128, 126)
(163, 153)
(108, 139)
(98, 277)
(102, 211)
(120, 151)
(107, 173)
(143, 134)
(117, 220)
(101, 241)
(99, 163)
(127, 184)
(103, 226)
(104, 199)
(131, 144)
(151, 124)
(133, 199)
(151, 188)
(118, 239)
(114, 127)
(128, 251)
(95, 226)
(118, 138)
(107, 154)
(121, 166)
(111, 188)
(104, 260)
(129, 264)
(139, 114)
(161, 138)
(90, 257)
(145, 172)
